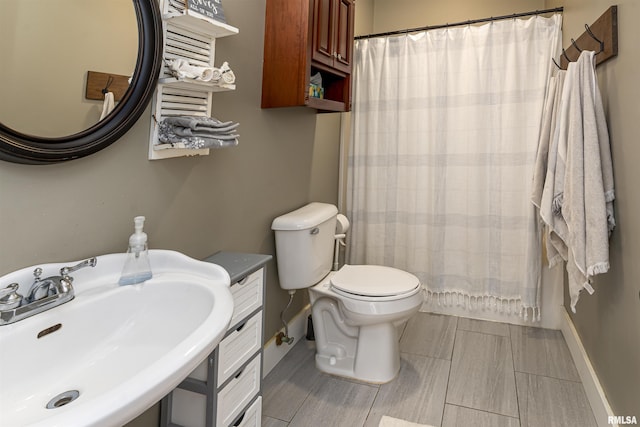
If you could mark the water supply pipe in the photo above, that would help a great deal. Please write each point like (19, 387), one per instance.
(284, 337)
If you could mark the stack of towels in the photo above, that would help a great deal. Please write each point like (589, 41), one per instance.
(182, 69)
(197, 132)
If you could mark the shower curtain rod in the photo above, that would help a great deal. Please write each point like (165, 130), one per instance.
(457, 24)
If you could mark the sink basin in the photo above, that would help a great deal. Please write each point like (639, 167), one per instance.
(113, 351)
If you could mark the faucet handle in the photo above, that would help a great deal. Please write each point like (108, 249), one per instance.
(37, 273)
(9, 297)
(8, 290)
(91, 262)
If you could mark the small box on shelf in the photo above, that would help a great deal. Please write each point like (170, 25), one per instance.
(316, 91)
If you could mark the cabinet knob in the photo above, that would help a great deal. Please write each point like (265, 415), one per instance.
(339, 56)
(335, 54)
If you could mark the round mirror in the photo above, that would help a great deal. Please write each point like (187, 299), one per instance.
(46, 65)
(60, 55)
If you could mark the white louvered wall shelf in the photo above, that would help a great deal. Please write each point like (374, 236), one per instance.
(192, 37)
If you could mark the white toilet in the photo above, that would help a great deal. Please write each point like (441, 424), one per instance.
(354, 309)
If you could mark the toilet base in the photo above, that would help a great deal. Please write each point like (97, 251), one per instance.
(376, 359)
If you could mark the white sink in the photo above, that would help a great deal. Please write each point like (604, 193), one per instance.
(122, 348)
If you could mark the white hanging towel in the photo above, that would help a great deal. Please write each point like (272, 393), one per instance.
(579, 185)
(555, 225)
(108, 104)
(546, 159)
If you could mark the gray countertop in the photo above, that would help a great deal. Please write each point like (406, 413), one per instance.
(239, 264)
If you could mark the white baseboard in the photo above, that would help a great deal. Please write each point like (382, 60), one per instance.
(274, 353)
(593, 389)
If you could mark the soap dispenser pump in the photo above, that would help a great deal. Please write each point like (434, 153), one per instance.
(137, 268)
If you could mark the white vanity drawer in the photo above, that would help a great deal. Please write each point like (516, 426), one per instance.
(252, 417)
(247, 295)
(239, 346)
(238, 392)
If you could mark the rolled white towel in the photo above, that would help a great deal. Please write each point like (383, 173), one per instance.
(227, 74)
(216, 75)
(181, 68)
(207, 74)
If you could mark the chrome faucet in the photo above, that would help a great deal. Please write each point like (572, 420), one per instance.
(43, 294)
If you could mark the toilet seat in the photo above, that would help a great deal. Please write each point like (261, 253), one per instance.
(374, 283)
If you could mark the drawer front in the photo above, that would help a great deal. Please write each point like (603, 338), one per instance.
(247, 295)
(239, 346)
(239, 392)
(252, 417)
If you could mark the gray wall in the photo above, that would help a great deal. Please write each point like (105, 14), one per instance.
(608, 321)
(390, 15)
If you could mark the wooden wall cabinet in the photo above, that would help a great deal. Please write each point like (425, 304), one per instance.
(333, 33)
(303, 38)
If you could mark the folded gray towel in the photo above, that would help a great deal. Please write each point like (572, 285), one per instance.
(167, 134)
(207, 133)
(196, 123)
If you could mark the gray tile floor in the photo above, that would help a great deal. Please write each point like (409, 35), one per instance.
(454, 372)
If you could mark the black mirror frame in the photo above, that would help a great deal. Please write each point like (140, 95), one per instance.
(17, 147)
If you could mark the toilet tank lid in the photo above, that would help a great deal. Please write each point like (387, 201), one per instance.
(306, 217)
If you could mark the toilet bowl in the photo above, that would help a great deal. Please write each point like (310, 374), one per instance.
(356, 332)
(355, 310)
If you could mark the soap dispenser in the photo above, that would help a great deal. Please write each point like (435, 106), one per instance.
(137, 268)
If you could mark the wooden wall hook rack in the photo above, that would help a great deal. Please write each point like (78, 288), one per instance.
(604, 29)
(97, 81)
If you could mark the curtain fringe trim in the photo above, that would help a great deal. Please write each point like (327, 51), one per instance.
(484, 302)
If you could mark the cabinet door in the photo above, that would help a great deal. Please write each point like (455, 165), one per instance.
(344, 35)
(323, 31)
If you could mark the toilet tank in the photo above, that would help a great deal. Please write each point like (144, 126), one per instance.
(304, 244)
